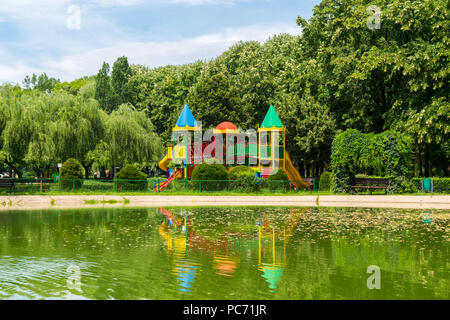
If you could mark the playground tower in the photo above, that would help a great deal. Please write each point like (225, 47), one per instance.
(272, 143)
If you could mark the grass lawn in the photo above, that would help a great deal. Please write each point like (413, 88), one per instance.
(92, 187)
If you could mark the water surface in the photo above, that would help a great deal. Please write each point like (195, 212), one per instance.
(223, 253)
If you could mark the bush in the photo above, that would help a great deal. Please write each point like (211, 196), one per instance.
(325, 181)
(243, 179)
(278, 180)
(441, 185)
(205, 177)
(235, 171)
(71, 174)
(130, 178)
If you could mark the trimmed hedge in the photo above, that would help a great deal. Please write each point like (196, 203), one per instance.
(205, 175)
(278, 180)
(243, 179)
(440, 185)
(71, 174)
(130, 172)
(325, 181)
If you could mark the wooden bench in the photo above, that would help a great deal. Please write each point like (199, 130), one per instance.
(371, 184)
(7, 184)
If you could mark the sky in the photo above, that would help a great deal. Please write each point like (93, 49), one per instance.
(68, 39)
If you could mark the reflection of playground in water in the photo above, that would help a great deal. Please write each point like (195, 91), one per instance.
(182, 240)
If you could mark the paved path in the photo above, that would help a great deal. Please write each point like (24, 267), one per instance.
(77, 201)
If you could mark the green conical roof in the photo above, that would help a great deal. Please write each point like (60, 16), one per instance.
(272, 120)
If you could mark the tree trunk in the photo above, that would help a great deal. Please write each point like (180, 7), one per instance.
(427, 162)
(13, 168)
(419, 162)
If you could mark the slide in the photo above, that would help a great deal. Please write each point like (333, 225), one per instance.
(164, 162)
(292, 172)
(172, 177)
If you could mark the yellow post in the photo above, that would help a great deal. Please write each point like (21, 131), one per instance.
(259, 244)
(273, 244)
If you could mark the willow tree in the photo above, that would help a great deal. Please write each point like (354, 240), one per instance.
(16, 133)
(77, 127)
(40, 152)
(131, 138)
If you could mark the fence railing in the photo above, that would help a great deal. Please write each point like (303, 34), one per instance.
(43, 185)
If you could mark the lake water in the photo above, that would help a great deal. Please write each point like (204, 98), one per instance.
(225, 253)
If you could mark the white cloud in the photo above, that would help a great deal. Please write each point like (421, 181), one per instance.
(48, 46)
(151, 54)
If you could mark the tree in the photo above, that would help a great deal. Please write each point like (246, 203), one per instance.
(120, 75)
(76, 129)
(131, 138)
(161, 93)
(214, 101)
(103, 88)
(312, 127)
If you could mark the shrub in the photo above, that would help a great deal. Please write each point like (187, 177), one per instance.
(71, 174)
(278, 180)
(441, 185)
(325, 181)
(243, 179)
(206, 176)
(130, 178)
(235, 171)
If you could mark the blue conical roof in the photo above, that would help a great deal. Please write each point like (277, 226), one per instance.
(186, 118)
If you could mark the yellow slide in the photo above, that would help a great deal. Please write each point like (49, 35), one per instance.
(164, 162)
(293, 173)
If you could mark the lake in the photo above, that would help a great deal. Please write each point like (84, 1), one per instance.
(225, 253)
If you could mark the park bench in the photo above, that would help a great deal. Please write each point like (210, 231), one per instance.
(371, 184)
(7, 184)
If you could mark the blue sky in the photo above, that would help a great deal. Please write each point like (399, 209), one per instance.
(68, 38)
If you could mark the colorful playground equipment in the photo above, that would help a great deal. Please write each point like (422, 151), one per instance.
(264, 154)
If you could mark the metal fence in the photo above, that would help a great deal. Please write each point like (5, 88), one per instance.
(33, 185)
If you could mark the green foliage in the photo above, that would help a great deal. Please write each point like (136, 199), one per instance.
(388, 153)
(440, 185)
(243, 179)
(130, 137)
(160, 93)
(237, 170)
(103, 88)
(41, 83)
(214, 100)
(278, 180)
(120, 74)
(325, 181)
(71, 174)
(209, 177)
(130, 178)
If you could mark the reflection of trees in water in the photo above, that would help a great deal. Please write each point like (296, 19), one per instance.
(399, 242)
(322, 253)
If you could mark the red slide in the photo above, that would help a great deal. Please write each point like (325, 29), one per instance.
(172, 177)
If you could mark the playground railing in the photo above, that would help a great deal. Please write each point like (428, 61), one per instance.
(43, 185)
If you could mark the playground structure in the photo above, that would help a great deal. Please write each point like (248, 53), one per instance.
(264, 153)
